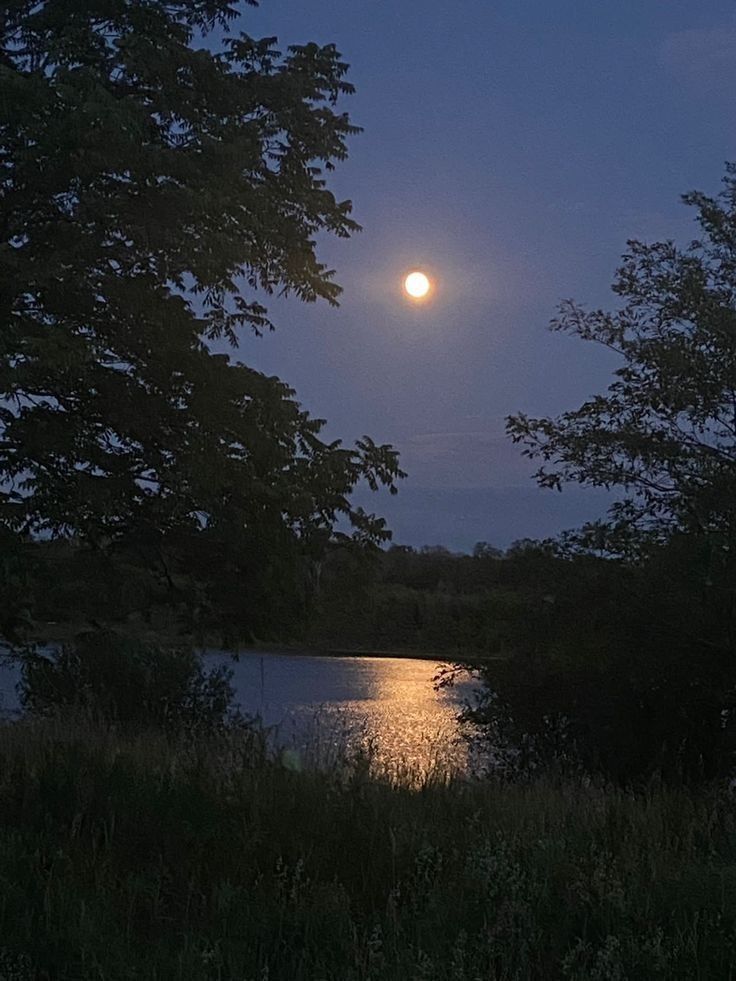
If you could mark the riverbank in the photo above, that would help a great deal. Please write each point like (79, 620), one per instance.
(399, 653)
(130, 855)
(57, 634)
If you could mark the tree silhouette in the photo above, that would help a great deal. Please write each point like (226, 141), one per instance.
(159, 173)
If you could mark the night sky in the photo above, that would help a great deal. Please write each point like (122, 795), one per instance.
(510, 148)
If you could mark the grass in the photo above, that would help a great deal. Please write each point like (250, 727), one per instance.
(133, 856)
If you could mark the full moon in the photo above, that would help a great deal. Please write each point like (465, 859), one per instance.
(417, 285)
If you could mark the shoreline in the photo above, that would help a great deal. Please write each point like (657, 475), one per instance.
(334, 652)
(339, 652)
(295, 649)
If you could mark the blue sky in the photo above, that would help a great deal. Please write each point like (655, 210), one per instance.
(510, 147)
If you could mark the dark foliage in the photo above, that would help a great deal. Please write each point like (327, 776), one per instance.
(157, 170)
(106, 677)
(664, 433)
(642, 675)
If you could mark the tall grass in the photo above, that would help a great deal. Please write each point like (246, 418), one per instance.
(131, 855)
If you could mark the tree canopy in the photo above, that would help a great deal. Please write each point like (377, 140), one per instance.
(635, 658)
(159, 174)
(665, 431)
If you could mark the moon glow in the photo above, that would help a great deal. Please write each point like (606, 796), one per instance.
(417, 285)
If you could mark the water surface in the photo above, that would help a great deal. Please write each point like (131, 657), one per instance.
(388, 704)
(320, 706)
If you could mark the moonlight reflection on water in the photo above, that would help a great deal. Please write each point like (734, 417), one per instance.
(323, 705)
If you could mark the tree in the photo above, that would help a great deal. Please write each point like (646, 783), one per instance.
(151, 186)
(665, 431)
(653, 654)
(482, 550)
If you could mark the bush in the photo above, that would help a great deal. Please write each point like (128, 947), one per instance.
(625, 668)
(117, 679)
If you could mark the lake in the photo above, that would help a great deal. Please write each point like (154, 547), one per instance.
(321, 705)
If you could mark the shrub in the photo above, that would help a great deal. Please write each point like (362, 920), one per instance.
(126, 681)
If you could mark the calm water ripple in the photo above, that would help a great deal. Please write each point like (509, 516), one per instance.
(389, 705)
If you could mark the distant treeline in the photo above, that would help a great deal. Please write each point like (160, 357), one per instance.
(427, 599)
(433, 600)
